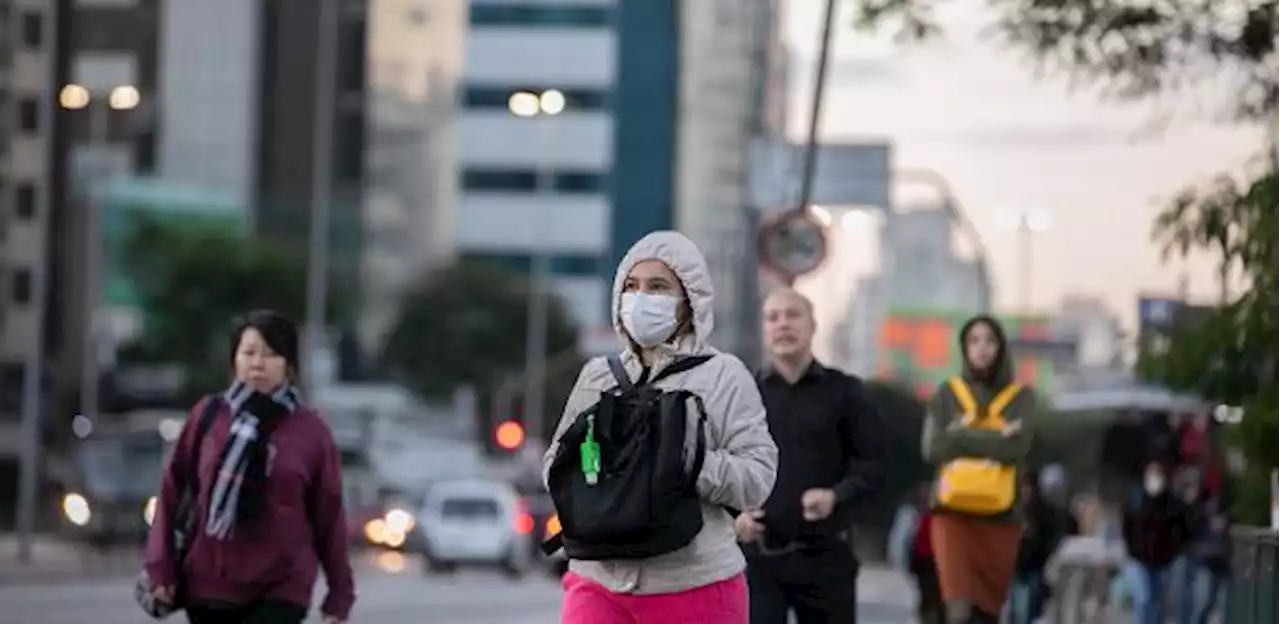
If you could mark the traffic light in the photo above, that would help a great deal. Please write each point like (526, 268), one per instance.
(509, 435)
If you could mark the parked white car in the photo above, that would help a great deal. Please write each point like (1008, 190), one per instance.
(476, 523)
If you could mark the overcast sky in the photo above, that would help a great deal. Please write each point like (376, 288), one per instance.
(1008, 141)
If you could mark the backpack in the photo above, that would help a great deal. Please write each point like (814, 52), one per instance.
(975, 485)
(620, 479)
(184, 520)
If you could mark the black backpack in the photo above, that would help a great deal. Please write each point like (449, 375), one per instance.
(638, 500)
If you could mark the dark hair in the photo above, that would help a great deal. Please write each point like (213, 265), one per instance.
(280, 333)
(998, 372)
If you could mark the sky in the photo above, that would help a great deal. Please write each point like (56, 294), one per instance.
(1008, 141)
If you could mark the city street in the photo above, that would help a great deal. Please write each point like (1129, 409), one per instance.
(392, 590)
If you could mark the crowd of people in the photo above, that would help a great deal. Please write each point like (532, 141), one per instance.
(690, 489)
(1173, 525)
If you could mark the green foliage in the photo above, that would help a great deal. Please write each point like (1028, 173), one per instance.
(1133, 49)
(465, 325)
(1231, 356)
(194, 280)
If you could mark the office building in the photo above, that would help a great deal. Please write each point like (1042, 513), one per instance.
(661, 100)
(411, 189)
(919, 270)
(242, 83)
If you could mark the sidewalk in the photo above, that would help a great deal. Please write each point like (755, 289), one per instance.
(58, 560)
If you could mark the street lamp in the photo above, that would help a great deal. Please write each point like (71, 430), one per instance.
(1027, 223)
(543, 106)
(99, 105)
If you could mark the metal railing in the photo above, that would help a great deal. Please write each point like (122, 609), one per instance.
(1251, 592)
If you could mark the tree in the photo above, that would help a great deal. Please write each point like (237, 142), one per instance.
(466, 324)
(1230, 356)
(193, 280)
(1132, 49)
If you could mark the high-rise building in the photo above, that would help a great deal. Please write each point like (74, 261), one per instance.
(241, 98)
(661, 100)
(414, 65)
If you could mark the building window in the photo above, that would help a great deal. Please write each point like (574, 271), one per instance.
(499, 180)
(579, 182)
(32, 30)
(24, 200)
(28, 115)
(568, 265)
(538, 15)
(495, 98)
(527, 180)
(22, 286)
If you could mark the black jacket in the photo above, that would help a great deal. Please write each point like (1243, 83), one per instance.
(828, 435)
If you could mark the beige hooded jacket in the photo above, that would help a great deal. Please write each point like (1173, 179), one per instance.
(741, 461)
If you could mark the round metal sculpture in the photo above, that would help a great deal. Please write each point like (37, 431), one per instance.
(793, 244)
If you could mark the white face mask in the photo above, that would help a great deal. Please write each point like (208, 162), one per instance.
(1153, 484)
(648, 318)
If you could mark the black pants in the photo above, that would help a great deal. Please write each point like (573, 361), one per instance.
(256, 612)
(930, 609)
(819, 583)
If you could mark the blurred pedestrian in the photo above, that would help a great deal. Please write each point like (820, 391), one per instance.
(830, 464)
(1208, 562)
(1044, 528)
(1156, 529)
(662, 309)
(265, 476)
(923, 567)
(978, 435)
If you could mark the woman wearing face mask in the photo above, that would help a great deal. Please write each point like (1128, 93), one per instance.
(268, 496)
(977, 433)
(1157, 527)
(662, 307)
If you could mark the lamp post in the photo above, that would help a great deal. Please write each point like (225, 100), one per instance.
(99, 106)
(321, 192)
(1026, 223)
(543, 107)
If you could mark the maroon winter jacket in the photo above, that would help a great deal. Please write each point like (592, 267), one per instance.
(278, 555)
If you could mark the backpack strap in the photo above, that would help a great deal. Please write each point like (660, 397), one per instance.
(620, 374)
(681, 365)
(1004, 398)
(700, 444)
(204, 422)
(963, 395)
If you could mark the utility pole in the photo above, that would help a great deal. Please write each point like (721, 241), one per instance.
(321, 188)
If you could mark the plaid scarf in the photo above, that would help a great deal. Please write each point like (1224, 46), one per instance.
(239, 492)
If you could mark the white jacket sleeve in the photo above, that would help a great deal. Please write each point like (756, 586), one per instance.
(579, 399)
(742, 460)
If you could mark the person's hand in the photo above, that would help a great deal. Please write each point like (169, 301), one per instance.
(748, 526)
(1011, 428)
(163, 593)
(332, 619)
(818, 503)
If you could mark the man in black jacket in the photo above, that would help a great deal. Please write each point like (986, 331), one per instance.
(830, 463)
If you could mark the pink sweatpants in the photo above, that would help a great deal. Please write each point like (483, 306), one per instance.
(586, 602)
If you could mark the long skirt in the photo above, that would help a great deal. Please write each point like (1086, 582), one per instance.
(975, 559)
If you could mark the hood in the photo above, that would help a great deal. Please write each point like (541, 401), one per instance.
(1002, 367)
(678, 252)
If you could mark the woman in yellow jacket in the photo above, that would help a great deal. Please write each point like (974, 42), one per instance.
(977, 435)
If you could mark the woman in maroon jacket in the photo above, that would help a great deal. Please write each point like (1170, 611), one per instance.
(269, 498)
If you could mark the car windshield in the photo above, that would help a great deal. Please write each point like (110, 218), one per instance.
(122, 467)
(469, 508)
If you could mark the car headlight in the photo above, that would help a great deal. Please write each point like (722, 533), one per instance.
(76, 508)
(376, 531)
(149, 511)
(399, 521)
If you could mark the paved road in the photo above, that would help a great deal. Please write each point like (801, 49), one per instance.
(391, 592)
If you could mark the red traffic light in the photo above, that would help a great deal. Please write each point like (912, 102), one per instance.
(509, 435)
